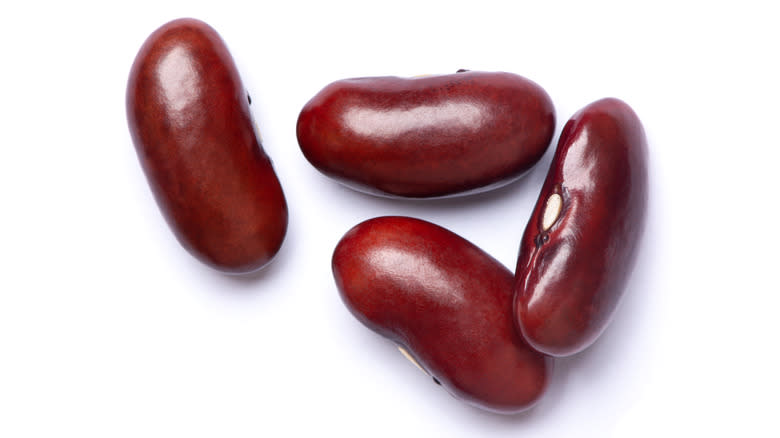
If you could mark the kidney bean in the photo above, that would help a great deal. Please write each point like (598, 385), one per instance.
(431, 136)
(581, 242)
(446, 303)
(189, 118)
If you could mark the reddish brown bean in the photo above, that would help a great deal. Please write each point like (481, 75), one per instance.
(189, 118)
(581, 242)
(426, 137)
(446, 303)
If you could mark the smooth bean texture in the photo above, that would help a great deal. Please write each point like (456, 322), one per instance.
(446, 303)
(189, 118)
(581, 242)
(426, 137)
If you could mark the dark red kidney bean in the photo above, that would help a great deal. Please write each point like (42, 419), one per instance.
(580, 244)
(189, 118)
(448, 306)
(426, 137)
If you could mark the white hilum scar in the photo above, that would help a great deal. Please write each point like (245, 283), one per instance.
(411, 359)
(551, 211)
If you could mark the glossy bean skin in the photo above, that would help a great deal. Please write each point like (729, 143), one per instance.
(447, 303)
(189, 118)
(571, 276)
(427, 137)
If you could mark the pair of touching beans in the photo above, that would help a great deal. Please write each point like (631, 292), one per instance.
(189, 118)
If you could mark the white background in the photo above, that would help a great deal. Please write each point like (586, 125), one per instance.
(109, 329)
